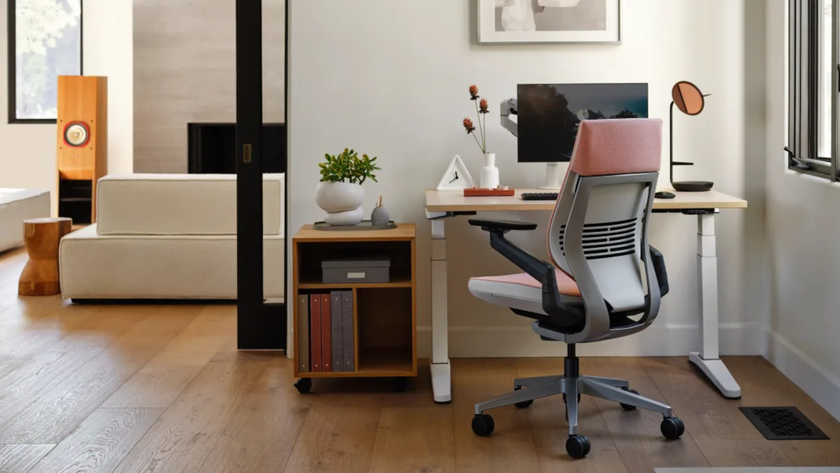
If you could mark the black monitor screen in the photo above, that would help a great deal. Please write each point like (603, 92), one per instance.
(548, 115)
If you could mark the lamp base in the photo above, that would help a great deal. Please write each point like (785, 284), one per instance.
(693, 186)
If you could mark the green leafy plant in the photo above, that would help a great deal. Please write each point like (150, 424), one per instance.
(347, 166)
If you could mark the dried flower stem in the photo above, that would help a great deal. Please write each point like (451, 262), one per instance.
(483, 143)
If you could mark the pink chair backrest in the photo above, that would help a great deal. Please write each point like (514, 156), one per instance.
(617, 146)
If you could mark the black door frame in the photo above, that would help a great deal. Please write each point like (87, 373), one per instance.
(260, 325)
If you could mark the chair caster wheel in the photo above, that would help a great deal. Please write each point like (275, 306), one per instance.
(628, 407)
(578, 446)
(483, 425)
(672, 428)
(304, 385)
(523, 404)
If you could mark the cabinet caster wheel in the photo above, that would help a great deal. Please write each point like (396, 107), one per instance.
(523, 404)
(483, 425)
(672, 428)
(628, 407)
(400, 385)
(304, 385)
(578, 446)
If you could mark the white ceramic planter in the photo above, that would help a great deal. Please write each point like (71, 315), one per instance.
(342, 201)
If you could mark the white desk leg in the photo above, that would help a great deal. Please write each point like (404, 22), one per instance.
(440, 367)
(708, 359)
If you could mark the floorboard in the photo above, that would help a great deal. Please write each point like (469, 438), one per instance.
(69, 402)
(100, 443)
(414, 439)
(265, 428)
(21, 458)
(164, 378)
(186, 433)
(336, 438)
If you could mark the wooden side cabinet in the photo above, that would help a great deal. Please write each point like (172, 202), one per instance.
(384, 315)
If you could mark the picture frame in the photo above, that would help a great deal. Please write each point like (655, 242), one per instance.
(549, 21)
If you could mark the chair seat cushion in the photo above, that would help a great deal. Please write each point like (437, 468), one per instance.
(521, 291)
(565, 284)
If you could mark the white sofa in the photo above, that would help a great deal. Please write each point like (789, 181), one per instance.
(169, 236)
(17, 205)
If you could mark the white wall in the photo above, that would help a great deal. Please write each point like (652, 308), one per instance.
(395, 86)
(802, 229)
(27, 152)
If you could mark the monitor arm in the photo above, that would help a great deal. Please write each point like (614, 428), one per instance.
(508, 108)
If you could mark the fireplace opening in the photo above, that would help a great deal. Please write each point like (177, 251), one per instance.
(212, 148)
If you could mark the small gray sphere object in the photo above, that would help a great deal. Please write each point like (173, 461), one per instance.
(380, 217)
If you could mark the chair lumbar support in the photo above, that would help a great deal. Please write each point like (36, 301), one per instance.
(572, 385)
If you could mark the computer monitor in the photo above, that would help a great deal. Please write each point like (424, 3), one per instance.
(549, 114)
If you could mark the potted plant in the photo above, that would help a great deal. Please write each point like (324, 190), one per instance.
(340, 192)
(489, 173)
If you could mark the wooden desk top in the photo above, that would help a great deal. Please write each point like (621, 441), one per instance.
(404, 231)
(454, 201)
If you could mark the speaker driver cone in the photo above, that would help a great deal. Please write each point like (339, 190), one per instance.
(76, 134)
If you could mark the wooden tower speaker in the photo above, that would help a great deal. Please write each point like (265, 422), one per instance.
(82, 144)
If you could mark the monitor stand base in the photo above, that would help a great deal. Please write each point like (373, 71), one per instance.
(553, 174)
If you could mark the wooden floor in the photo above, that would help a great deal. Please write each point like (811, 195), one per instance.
(162, 388)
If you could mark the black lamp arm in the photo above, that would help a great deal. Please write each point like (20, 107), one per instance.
(672, 162)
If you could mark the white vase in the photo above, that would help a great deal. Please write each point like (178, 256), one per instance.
(342, 201)
(489, 173)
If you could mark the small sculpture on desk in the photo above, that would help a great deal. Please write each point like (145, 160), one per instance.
(379, 217)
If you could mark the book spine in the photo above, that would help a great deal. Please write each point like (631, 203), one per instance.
(303, 333)
(326, 333)
(315, 332)
(337, 331)
(347, 330)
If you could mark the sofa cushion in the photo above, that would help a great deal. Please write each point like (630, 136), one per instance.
(180, 204)
(17, 205)
(97, 266)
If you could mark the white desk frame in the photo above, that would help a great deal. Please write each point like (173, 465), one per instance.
(441, 205)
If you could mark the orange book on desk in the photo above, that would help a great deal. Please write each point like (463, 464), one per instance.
(478, 192)
(326, 333)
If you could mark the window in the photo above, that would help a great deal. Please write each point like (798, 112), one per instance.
(813, 87)
(45, 41)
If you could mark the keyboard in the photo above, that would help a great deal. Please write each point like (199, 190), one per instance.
(539, 196)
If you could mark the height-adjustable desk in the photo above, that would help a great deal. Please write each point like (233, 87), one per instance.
(441, 205)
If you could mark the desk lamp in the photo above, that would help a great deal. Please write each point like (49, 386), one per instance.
(688, 98)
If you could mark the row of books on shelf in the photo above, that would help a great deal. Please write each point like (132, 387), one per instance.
(325, 331)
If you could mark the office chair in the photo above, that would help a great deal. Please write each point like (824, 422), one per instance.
(605, 281)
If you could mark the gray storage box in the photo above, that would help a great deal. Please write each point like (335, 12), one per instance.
(375, 269)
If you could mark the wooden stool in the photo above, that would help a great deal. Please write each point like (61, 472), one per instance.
(41, 236)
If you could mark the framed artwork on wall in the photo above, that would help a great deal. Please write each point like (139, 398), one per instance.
(549, 21)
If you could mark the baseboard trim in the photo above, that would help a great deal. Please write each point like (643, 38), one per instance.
(736, 339)
(810, 376)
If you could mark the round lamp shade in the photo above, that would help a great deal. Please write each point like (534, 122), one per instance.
(76, 134)
(688, 98)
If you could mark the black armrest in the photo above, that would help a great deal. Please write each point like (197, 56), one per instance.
(501, 225)
(537, 269)
(659, 267)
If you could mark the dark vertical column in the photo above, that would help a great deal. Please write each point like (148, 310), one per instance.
(259, 326)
